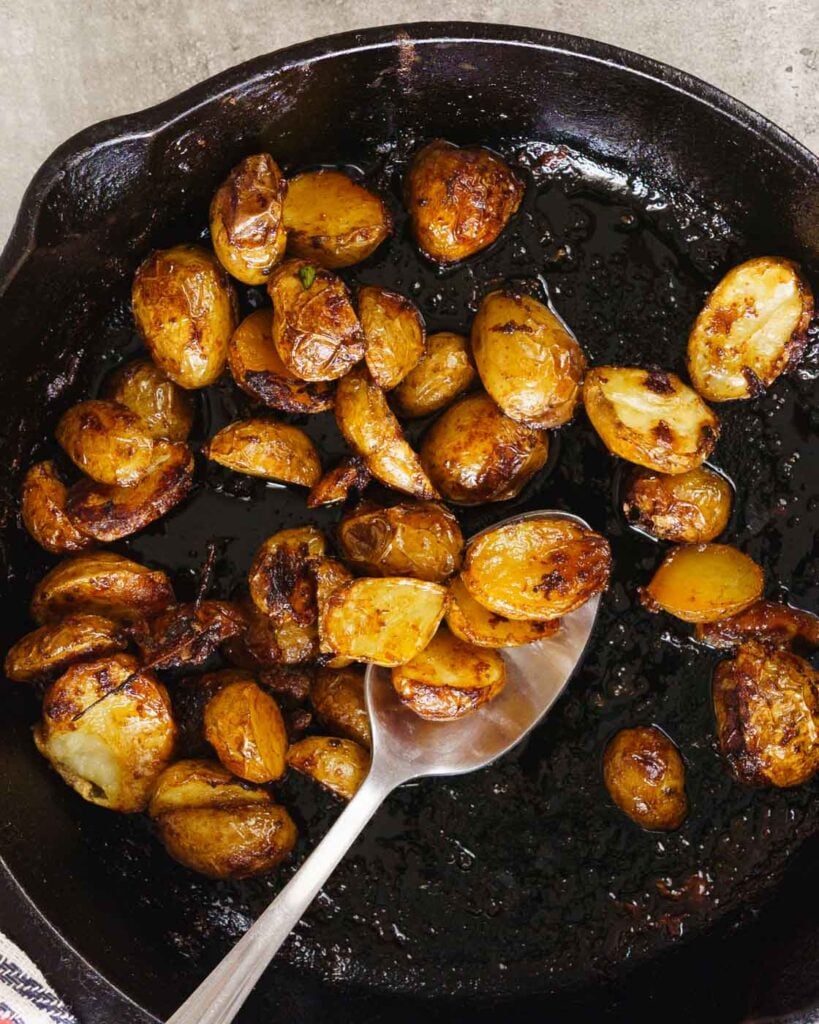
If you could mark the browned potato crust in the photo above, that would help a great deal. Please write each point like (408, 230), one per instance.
(265, 448)
(474, 454)
(767, 709)
(328, 575)
(165, 408)
(186, 310)
(338, 698)
(279, 578)
(52, 648)
(107, 441)
(685, 508)
(187, 634)
(440, 376)
(246, 222)
(459, 199)
(645, 777)
(43, 510)
(772, 623)
(332, 219)
(351, 474)
(201, 782)
(394, 332)
(244, 726)
(470, 621)
(269, 641)
(337, 764)
(527, 360)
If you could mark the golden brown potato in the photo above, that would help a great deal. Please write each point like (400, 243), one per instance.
(650, 417)
(100, 583)
(470, 621)
(645, 777)
(772, 623)
(279, 580)
(386, 621)
(186, 634)
(767, 709)
(185, 309)
(450, 678)
(371, 429)
(350, 474)
(315, 329)
(537, 569)
(43, 511)
(394, 332)
(337, 696)
(441, 375)
(108, 740)
(337, 764)
(686, 508)
(459, 199)
(244, 726)
(328, 575)
(420, 539)
(163, 406)
(527, 360)
(269, 642)
(107, 441)
(50, 649)
(108, 512)
(246, 221)
(474, 454)
(332, 219)
(265, 448)
(752, 328)
(703, 583)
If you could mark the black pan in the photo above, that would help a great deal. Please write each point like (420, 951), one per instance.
(521, 889)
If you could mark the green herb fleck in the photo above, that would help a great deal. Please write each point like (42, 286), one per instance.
(307, 275)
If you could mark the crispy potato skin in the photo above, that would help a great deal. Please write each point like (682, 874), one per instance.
(186, 634)
(528, 362)
(337, 695)
(244, 726)
(468, 620)
(279, 580)
(113, 753)
(394, 332)
(536, 569)
(459, 199)
(351, 474)
(339, 765)
(50, 649)
(328, 575)
(443, 373)
(752, 328)
(246, 219)
(774, 624)
(165, 408)
(333, 220)
(645, 777)
(44, 514)
(766, 704)
(650, 417)
(685, 508)
(266, 448)
(106, 441)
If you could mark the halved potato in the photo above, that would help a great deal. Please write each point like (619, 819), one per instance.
(332, 219)
(43, 511)
(386, 621)
(315, 329)
(703, 583)
(395, 334)
(185, 309)
(527, 360)
(265, 448)
(685, 508)
(338, 698)
(470, 621)
(52, 648)
(107, 441)
(337, 764)
(246, 222)
(537, 569)
(371, 429)
(440, 376)
(645, 777)
(101, 583)
(279, 580)
(244, 726)
(752, 328)
(768, 621)
(328, 575)
(201, 782)
(350, 474)
(187, 634)
(108, 740)
(163, 406)
(650, 417)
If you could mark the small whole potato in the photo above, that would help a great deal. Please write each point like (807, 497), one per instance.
(246, 219)
(774, 624)
(266, 448)
(107, 441)
(279, 578)
(50, 649)
(394, 332)
(685, 508)
(443, 373)
(468, 620)
(269, 642)
(244, 726)
(165, 408)
(645, 777)
(350, 474)
(336, 764)
(459, 199)
(186, 310)
(44, 514)
(337, 695)
(186, 634)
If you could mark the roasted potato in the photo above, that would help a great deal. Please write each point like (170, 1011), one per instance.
(420, 539)
(107, 441)
(645, 777)
(164, 407)
(315, 329)
(459, 199)
(527, 360)
(266, 448)
(650, 417)
(337, 764)
(350, 474)
(536, 568)
(332, 219)
(772, 623)
(50, 649)
(186, 634)
(470, 621)
(246, 219)
(386, 621)
(371, 430)
(108, 512)
(766, 704)
(473, 453)
(107, 729)
(288, 681)
(394, 332)
(101, 583)
(685, 508)
(244, 726)
(703, 583)
(449, 678)
(328, 575)
(279, 580)
(439, 377)
(212, 822)
(43, 511)
(752, 328)
(269, 642)
(337, 695)
(186, 310)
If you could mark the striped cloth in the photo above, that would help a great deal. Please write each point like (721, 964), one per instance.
(25, 995)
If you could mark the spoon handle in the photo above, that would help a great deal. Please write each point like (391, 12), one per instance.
(220, 996)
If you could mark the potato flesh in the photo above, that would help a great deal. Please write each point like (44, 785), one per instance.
(686, 508)
(468, 620)
(164, 407)
(106, 441)
(768, 621)
(244, 726)
(394, 332)
(339, 765)
(52, 648)
(268, 449)
(443, 373)
(279, 579)
(43, 511)
(337, 695)
(645, 777)
(351, 474)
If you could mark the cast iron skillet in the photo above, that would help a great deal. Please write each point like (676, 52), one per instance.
(520, 889)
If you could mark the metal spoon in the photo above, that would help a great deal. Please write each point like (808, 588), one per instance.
(404, 747)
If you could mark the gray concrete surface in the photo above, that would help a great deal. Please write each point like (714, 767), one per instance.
(67, 63)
